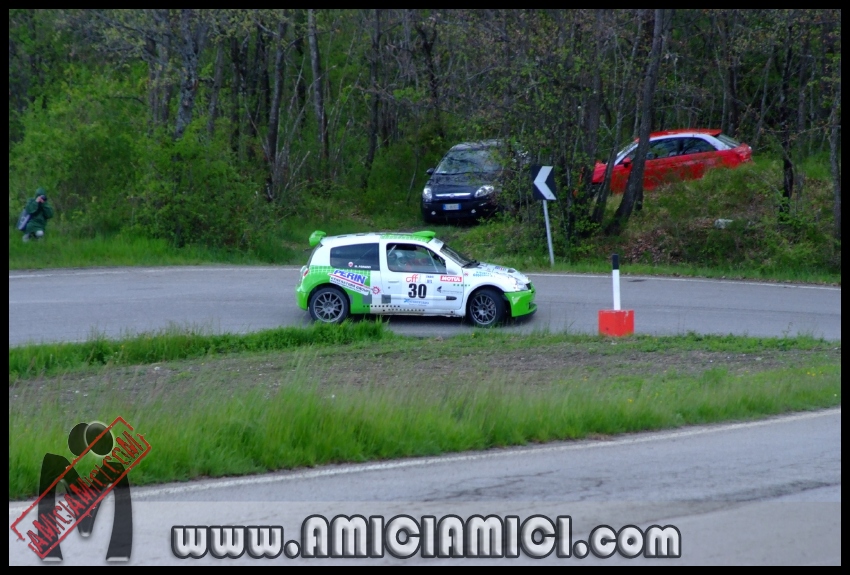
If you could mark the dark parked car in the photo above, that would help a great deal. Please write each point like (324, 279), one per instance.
(467, 181)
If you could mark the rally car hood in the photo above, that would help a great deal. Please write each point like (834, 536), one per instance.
(485, 269)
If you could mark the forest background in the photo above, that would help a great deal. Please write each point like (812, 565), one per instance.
(239, 132)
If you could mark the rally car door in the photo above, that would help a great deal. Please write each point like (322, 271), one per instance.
(416, 280)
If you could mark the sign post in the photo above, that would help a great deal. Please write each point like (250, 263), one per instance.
(543, 186)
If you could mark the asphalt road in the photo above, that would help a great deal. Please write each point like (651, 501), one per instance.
(766, 492)
(69, 305)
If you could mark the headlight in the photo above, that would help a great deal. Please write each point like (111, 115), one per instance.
(426, 194)
(484, 191)
(519, 286)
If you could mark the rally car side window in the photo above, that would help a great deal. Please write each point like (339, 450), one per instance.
(355, 256)
(414, 258)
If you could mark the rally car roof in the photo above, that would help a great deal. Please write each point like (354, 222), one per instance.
(320, 236)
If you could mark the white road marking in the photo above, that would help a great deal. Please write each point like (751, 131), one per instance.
(295, 268)
(152, 270)
(626, 278)
(147, 493)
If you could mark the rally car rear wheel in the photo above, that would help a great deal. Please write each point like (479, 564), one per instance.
(328, 305)
(486, 308)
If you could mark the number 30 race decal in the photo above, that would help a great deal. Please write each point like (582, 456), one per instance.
(419, 291)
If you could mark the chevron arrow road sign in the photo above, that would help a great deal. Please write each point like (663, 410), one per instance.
(544, 183)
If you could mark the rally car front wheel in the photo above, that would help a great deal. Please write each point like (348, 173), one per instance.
(486, 308)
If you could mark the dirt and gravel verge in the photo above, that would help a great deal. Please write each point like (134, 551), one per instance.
(424, 362)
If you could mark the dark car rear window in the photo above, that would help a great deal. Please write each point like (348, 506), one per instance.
(356, 256)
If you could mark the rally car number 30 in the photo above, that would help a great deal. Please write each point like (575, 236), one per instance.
(407, 274)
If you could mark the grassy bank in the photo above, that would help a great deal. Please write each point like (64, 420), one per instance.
(229, 414)
(728, 224)
(66, 251)
(61, 248)
(174, 344)
(674, 233)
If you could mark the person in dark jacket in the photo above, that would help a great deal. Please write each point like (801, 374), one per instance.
(40, 211)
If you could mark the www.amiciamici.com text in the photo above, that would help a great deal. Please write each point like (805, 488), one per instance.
(404, 537)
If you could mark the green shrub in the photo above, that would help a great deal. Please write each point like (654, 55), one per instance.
(679, 223)
(193, 192)
(84, 150)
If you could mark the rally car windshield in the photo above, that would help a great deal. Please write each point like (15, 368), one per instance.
(459, 259)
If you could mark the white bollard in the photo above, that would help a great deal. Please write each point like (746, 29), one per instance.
(616, 278)
(615, 321)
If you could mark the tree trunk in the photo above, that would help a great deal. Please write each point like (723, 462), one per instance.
(732, 83)
(720, 26)
(834, 163)
(605, 189)
(153, 79)
(802, 139)
(216, 89)
(375, 103)
(318, 93)
(763, 108)
(590, 130)
(264, 103)
(433, 78)
(157, 50)
(272, 155)
(633, 194)
(727, 28)
(253, 89)
(237, 51)
(190, 49)
(298, 43)
(785, 126)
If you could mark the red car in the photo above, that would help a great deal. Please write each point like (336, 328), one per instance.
(676, 155)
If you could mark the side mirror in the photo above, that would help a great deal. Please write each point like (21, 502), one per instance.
(627, 162)
(429, 171)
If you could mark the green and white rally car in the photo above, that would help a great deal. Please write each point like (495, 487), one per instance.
(407, 274)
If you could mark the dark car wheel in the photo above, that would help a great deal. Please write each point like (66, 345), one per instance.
(328, 305)
(486, 308)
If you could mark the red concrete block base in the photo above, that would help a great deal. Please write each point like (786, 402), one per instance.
(616, 322)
